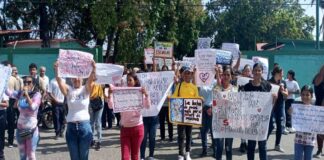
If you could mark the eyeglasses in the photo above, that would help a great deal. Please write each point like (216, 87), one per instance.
(27, 82)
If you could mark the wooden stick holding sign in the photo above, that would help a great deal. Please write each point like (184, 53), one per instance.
(186, 111)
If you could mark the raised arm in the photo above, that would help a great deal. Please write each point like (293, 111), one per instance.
(237, 65)
(91, 79)
(63, 87)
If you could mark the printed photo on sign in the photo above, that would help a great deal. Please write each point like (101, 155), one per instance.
(223, 57)
(188, 62)
(163, 49)
(308, 118)
(244, 61)
(148, 53)
(74, 64)
(204, 43)
(127, 99)
(234, 48)
(186, 111)
(243, 115)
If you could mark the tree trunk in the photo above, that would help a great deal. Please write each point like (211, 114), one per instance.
(43, 25)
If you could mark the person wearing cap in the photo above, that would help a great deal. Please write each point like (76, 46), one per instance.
(185, 89)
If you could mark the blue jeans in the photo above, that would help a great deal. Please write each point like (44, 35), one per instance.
(206, 126)
(95, 121)
(262, 150)
(150, 126)
(78, 138)
(303, 152)
(278, 114)
(220, 146)
(58, 118)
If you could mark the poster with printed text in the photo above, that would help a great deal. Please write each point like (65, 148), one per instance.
(205, 65)
(158, 85)
(108, 73)
(149, 53)
(243, 115)
(74, 64)
(204, 43)
(188, 62)
(163, 49)
(5, 73)
(234, 48)
(223, 57)
(308, 118)
(186, 111)
(127, 99)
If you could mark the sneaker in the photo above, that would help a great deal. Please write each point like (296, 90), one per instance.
(10, 146)
(92, 143)
(170, 139)
(150, 158)
(318, 154)
(286, 131)
(56, 137)
(188, 156)
(180, 157)
(292, 130)
(279, 149)
(243, 147)
(97, 148)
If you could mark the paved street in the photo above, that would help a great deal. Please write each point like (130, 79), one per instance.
(50, 149)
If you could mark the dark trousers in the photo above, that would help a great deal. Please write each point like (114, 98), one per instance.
(182, 132)
(12, 117)
(262, 150)
(288, 116)
(58, 118)
(117, 115)
(320, 138)
(278, 115)
(164, 116)
(104, 116)
(3, 121)
(228, 148)
(150, 126)
(206, 126)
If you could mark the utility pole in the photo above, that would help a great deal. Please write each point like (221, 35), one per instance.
(317, 25)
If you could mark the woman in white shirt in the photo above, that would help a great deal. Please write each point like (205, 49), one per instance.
(78, 133)
(293, 89)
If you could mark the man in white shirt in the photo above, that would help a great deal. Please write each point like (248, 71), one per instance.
(57, 99)
(44, 79)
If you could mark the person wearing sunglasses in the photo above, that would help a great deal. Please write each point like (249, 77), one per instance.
(28, 102)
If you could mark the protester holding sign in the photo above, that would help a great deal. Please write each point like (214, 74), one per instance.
(78, 132)
(4, 103)
(278, 112)
(132, 129)
(29, 100)
(257, 84)
(319, 95)
(185, 89)
(225, 86)
(305, 142)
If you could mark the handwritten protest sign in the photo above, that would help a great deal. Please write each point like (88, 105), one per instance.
(148, 53)
(204, 43)
(74, 64)
(223, 57)
(163, 49)
(308, 119)
(243, 115)
(186, 111)
(108, 73)
(5, 73)
(234, 48)
(244, 61)
(265, 63)
(274, 88)
(205, 64)
(160, 62)
(158, 85)
(127, 99)
(188, 62)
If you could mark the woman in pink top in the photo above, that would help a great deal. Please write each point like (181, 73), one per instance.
(28, 103)
(132, 129)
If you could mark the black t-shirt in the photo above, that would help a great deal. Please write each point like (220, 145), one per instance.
(319, 93)
(280, 100)
(264, 87)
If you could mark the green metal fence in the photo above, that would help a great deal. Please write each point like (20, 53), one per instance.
(22, 57)
(305, 63)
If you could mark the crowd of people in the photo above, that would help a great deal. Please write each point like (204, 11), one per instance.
(83, 109)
